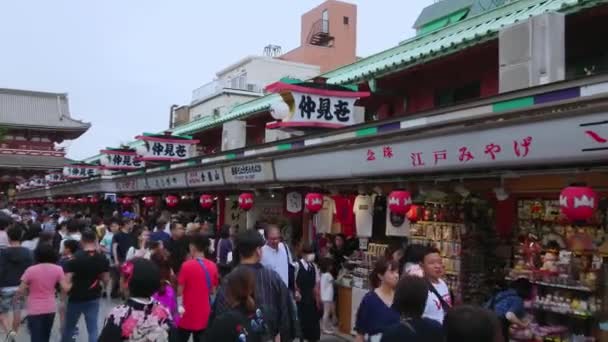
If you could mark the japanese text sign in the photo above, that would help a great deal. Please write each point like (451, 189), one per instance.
(167, 149)
(170, 181)
(54, 177)
(551, 141)
(249, 173)
(205, 177)
(80, 171)
(120, 160)
(322, 111)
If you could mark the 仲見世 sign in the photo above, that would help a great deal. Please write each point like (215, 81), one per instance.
(80, 171)
(120, 159)
(165, 147)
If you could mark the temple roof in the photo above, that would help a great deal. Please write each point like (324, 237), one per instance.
(26, 162)
(38, 110)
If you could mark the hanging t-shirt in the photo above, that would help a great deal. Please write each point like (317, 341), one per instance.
(379, 225)
(325, 217)
(344, 214)
(363, 210)
(397, 225)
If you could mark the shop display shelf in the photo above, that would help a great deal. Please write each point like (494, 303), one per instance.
(559, 286)
(569, 313)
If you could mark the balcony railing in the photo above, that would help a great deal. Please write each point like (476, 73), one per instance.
(215, 87)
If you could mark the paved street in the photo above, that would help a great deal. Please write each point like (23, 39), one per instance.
(106, 305)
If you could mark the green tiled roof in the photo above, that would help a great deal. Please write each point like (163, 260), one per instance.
(235, 113)
(452, 38)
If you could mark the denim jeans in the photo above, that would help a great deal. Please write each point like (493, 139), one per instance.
(40, 326)
(90, 310)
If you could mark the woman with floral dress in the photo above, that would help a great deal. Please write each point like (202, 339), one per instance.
(140, 318)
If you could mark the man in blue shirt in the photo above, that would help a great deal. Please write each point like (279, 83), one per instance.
(508, 305)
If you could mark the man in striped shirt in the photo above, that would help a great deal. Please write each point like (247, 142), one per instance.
(271, 294)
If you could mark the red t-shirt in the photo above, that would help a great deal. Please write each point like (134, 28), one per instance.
(344, 214)
(196, 293)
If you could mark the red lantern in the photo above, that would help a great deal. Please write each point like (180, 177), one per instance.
(578, 203)
(83, 200)
(126, 201)
(246, 201)
(71, 200)
(94, 200)
(413, 215)
(314, 202)
(171, 201)
(149, 201)
(206, 201)
(399, 202)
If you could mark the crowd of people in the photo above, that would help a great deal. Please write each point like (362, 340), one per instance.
(179, 279)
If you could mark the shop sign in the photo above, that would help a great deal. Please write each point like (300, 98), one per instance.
(249, 173)
(80, 171)
(293, 202)
(54, 178)
(126, 185)
(306, 104)
(205, 177)
(36, 182)
(170, 181)
(566, 140)
(120, 159)
(165, 147)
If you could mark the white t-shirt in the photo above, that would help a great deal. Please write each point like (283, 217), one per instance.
(327, 287)
(325, 217)
(433, 308)
(363, 209)
(276, 260)
(138, 253)
(392, 230)
(75, 236)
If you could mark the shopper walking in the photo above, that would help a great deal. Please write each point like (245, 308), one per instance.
(243, 321)
(469, 323)
(140, 318)
(271, 293)
(410, 299)
(440, 299)
(38, 283)
(375, 312)
(140, 250)
(85, 275)
(275, 254)
(197, 281)
(121, 242)
(327, 296)
(306, 299)
(508, 305)
(14, 260)
(165, 294)
(178, 246)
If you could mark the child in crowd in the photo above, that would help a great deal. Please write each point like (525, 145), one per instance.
(327, 295)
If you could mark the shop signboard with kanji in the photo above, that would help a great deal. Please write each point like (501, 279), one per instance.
(54, 178)
(120, 159)
(306, 104)
(127, 185)
(80, 171)
(565, 140)
(168, 181)
(165, 147)
(249, 173)
(206, 177)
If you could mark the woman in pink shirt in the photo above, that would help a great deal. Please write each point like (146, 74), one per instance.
(40, 281)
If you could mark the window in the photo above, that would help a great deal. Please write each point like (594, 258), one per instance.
(446, 97)
(345, 19)
(325, 18)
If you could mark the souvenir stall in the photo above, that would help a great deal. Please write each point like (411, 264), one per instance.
(560, 246)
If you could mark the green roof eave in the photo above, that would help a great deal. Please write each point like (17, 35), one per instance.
(452, 38)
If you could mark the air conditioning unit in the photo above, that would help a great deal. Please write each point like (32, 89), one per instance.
(233, 135)
(532, 52)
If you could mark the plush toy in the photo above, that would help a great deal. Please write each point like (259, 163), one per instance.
(549, 262)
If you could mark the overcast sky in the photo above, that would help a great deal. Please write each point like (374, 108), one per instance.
(125, 62)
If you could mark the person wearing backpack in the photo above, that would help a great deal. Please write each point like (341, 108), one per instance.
(410, 300)
(508, 305)
(244, 320)
(198, 278)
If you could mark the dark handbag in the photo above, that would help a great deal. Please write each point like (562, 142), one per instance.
(291, 271)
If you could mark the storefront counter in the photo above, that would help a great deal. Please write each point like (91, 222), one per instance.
(349, 299)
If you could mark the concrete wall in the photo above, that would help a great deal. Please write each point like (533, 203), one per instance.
(344, 48)
(224, 101)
